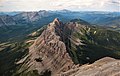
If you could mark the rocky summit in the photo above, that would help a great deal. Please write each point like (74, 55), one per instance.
(48, 53)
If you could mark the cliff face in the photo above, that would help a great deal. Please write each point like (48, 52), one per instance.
(48, 53)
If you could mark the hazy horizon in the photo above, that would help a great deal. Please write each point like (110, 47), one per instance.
(76, 5)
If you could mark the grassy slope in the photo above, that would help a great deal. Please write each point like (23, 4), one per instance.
(99, 42)
(11, 52)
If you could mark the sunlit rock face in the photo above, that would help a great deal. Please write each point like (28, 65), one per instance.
(49, 52)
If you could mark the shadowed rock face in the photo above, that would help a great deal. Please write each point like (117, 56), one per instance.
(48, 52)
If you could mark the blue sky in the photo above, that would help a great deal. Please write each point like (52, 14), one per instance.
(76, 5)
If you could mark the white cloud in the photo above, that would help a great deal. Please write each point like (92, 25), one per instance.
(33, 5)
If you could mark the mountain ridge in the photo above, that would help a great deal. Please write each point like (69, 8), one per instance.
(58, 50)
(49, 53)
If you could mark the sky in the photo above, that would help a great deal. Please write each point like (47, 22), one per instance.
(74, 5)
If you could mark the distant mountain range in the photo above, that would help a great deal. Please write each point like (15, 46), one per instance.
(6, 20)
(96, 17)
(14, 22)
(9, 13)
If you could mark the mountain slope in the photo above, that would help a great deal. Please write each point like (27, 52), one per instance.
(48, 53)
(58, 48)
(6, 21)
(31, 17)
(88, 43)
(61, 46)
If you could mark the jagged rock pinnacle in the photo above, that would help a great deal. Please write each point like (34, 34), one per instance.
(49, 52)
(56, 21)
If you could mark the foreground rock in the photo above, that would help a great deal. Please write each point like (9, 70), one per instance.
(104, 67)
